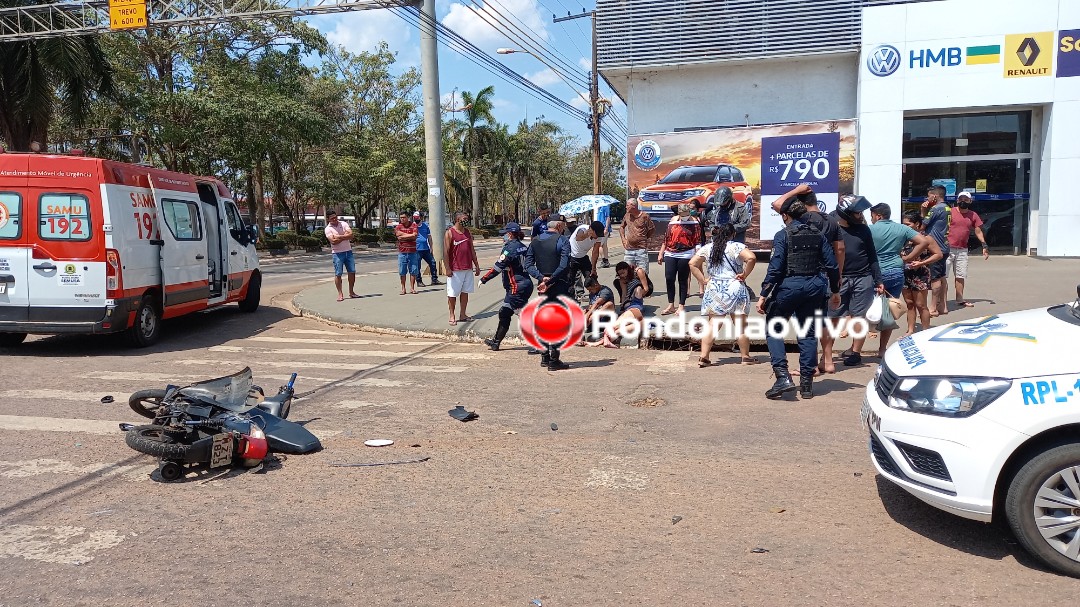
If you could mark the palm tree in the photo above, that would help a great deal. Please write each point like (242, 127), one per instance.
(40, 77)
(477, 135)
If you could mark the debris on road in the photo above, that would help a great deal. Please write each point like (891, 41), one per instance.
(777, 510)
(509, 432)
(675, 519)
(407, 461)
(759, 550)
(857, 474)
(379, 442)
(459, 413)
(105, 400)
(648, 402)
(554, 426)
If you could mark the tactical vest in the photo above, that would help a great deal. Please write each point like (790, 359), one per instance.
(804, 250)
(546, 254)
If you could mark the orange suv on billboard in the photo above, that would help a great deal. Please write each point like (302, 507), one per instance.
(694, 185)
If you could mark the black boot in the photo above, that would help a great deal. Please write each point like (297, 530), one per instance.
(783, 385)
(545, 358)
(555, 364)
(493, 344)
(806, 384)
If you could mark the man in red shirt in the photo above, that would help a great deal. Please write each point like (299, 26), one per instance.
(408, 259)
(964, 220)
(460, 259)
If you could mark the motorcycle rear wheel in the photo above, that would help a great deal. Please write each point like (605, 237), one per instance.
(146, 402)
(153, 440)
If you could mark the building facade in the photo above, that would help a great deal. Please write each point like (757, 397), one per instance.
(975, 95)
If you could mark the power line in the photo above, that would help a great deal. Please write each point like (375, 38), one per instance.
(568, 64)
(455, 42)
(528, 42)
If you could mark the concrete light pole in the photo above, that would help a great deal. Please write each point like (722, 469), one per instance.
(429, 68)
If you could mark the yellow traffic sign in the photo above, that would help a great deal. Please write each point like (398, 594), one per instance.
(127, 14)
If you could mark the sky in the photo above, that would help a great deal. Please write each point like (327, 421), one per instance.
(571, 40)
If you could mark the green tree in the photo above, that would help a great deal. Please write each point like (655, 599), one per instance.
(38, 78)
(477, 136)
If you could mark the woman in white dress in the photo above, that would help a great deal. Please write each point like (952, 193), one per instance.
(727, 264)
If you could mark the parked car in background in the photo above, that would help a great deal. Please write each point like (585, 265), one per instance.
(696, 185)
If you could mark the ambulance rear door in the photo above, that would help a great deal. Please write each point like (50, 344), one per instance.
(66, 271)
(183, 253)
(14, 251)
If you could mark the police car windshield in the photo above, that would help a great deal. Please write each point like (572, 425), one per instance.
(691, 175)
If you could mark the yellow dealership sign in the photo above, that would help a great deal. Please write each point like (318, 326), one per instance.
(1028, 55)
(127, 14)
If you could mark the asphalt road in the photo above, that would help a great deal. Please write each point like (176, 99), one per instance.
(657, 485)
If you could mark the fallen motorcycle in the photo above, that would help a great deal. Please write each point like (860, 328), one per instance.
(216, 423)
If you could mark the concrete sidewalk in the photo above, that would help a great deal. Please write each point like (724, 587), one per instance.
(995, 286)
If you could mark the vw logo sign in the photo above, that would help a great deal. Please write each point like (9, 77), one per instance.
(883, 61)
(647, 155)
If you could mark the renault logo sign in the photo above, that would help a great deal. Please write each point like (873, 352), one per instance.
(1028, 52)
(883, 60)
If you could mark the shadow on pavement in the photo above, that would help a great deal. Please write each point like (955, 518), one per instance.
(200, 330)
(990, 541)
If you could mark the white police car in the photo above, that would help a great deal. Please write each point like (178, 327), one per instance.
(982, 418)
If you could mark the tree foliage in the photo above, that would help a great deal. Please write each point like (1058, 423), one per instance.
(290, 123)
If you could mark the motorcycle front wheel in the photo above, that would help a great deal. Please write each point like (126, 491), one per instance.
(146, 402)
(153, 440)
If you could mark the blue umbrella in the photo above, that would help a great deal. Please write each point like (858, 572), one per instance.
(586, 204)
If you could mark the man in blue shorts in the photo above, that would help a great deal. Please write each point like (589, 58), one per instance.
(340, 236)
(423, 249)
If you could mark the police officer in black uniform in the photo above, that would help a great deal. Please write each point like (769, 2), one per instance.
(519, 287)
(547, 260)
(795, 285)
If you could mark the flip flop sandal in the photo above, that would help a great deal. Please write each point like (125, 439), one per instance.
(340, 298)
(854, 359)
(750, 361)
(704, 362)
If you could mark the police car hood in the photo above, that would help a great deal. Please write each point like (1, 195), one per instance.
(1030, 343)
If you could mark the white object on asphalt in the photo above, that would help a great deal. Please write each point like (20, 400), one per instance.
(379, 442)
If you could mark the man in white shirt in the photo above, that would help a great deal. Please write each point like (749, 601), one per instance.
(585, 249)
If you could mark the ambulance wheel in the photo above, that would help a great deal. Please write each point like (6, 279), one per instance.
(10, 340)
(147, 325)
(250, 303)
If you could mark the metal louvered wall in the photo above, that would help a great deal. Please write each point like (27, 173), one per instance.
(656, 33)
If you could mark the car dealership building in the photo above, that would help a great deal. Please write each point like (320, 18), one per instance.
(975, 95)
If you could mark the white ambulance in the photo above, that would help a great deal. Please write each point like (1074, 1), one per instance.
(95, 246)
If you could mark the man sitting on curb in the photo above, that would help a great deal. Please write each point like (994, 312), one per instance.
(600, 298)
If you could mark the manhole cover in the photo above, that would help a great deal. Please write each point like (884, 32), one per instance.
(648, 402)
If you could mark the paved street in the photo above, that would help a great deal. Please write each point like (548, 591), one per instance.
(635, 478)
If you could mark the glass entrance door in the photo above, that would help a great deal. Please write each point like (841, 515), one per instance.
(1000, 189)
(987, 154)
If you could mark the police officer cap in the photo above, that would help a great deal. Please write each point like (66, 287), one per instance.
(511, 228)
(555, 217)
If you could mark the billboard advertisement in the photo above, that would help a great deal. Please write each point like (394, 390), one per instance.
(765, 162)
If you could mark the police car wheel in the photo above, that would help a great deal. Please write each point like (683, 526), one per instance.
(10, 340)
(1043, 507)
(147, 326)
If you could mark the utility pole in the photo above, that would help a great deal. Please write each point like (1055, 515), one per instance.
(594, 97)
(429, 70)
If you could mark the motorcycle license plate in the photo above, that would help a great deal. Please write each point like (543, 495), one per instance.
(222, 451)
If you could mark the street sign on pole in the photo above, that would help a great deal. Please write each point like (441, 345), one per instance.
(127, 14)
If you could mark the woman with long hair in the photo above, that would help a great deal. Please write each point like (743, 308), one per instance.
(681, 243)
(917, 274)
(632, 307)
(727, 264)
